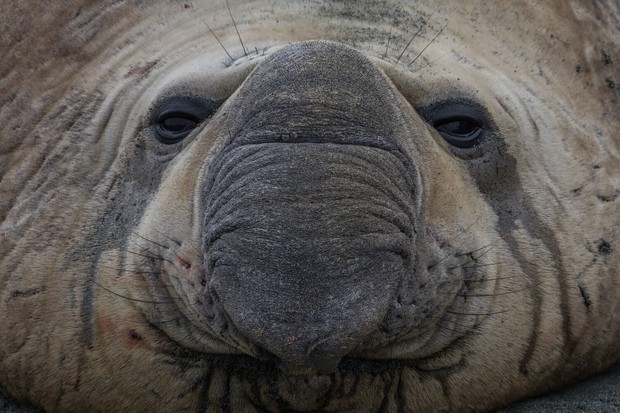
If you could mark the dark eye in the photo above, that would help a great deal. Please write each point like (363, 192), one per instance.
(462, 133)
(460, 122)
(176, 117)
(173, 127)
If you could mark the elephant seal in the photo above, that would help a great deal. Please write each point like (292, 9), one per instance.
(306, 206)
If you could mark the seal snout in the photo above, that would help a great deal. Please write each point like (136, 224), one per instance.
(306, 245)
(309, 228)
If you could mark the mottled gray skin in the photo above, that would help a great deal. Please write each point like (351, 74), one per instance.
(315, 240)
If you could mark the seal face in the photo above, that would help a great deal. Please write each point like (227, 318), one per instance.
(311, 225)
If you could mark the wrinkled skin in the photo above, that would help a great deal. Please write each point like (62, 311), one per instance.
(315, 242)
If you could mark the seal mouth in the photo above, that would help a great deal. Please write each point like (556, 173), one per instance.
(263, 381)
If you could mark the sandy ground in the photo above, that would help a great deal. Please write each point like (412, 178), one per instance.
(600, 394)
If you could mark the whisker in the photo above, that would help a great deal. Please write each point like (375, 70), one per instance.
(492, 279)
(501, 237)
(478, 314)
(155, 257)
(456, 238)
(166, 236)
(160, 245)
(152, 322)
(387, 45)
(476, 265)
(493, 294)
(138, 272)
(218, 40)
(175, 241)
(130, 298)
(167, 321)
(119, 269)
(151, 241)
(245, 52)
(461, 328)
(148, 252)
(429, 63)
(144, 283)
(429, 43)
(451, 330)
(415, 35)
(492, 247)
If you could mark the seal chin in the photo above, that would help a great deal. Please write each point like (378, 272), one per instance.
(306, 392)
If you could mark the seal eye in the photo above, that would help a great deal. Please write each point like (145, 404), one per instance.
(173, 127)
(460, 122)
(462, 133)
(176, 117)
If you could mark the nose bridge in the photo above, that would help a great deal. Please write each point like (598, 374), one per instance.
(321, 89)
